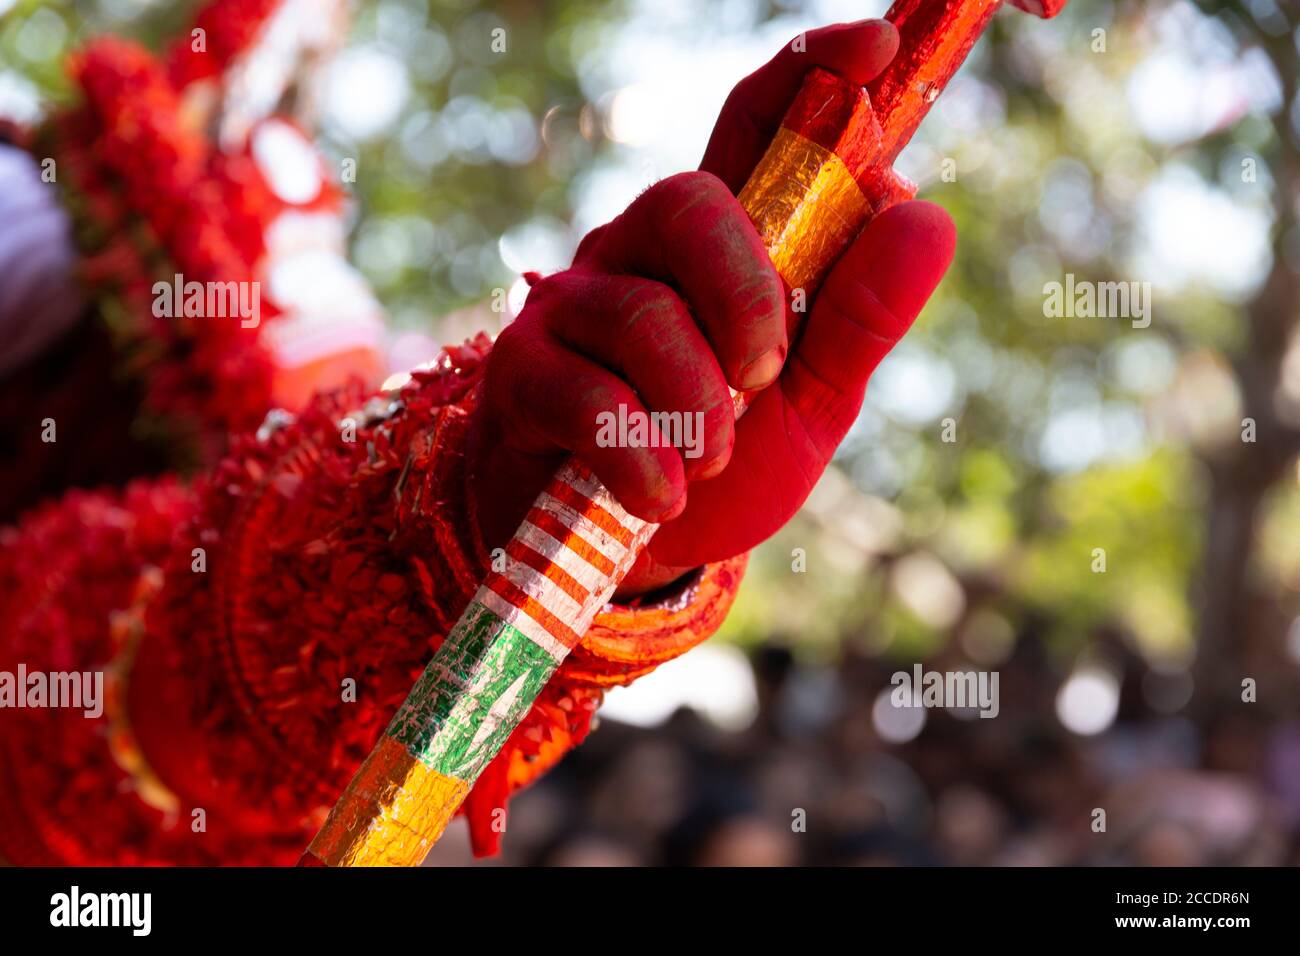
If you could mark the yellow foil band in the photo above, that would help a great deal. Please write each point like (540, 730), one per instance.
(806, 205)
(392, 812)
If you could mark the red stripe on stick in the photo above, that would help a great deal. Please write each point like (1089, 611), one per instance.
(545, 566)
(520, 599)
(545, 521)
(593, 512)
(837, 116)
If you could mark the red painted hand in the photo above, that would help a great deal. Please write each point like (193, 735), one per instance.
(673, 301)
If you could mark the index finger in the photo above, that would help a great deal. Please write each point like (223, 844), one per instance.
(688, 231)
(857, 52)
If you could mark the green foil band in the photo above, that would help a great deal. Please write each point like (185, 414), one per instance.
(473, 693)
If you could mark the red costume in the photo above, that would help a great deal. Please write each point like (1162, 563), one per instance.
(325, 560)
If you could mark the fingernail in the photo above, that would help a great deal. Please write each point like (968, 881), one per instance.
(675, 510)
(715, 468)
(719, 464)
(763, 370)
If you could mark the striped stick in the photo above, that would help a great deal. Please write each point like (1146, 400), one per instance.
(826, 173)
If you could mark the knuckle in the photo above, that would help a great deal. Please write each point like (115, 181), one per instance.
(643, 306)
(597, 397)
(498, 357)
(684, 192)
(761, 297)
(862, 307)
(546, 294)
(589, 242)
(508, 344)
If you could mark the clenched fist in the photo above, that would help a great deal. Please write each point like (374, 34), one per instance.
(675, 300)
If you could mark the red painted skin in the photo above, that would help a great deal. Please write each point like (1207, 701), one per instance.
(675, 300)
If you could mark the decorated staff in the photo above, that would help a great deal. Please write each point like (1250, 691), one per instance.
(826, 173)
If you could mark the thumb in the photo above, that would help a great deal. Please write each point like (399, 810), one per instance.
(867, 303)
(789, 434)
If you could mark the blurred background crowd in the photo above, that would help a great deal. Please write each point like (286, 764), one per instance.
(1107, 515)
(1018, 790)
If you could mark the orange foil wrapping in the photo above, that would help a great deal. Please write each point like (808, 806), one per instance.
(821, 179)
(806, 205)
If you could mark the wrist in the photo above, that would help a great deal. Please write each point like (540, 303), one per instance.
(649, 577)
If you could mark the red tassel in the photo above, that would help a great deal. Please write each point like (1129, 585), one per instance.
(486, 824)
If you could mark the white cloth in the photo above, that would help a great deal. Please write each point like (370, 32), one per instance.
(40, 298)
